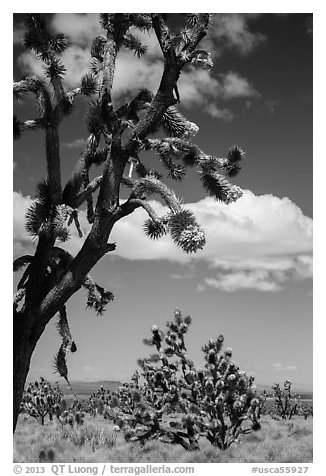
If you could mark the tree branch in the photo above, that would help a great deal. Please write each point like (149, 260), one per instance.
(130, 205)
(148, 185)
(37, 87)
(91, 188)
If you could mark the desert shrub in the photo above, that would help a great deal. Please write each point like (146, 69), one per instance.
(93, 437)
(177, 403)
(41, 399)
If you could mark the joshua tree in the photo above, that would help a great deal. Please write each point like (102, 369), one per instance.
(117, 139)
(178, 403)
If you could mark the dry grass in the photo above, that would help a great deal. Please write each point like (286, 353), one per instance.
(96, 442)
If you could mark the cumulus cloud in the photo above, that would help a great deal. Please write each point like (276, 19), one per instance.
(29, 64)
(232, 30)
(80, 28)
(22, 242)
(197, 87)
(259, 242)
(234, 86)
(253, 279)
(218, 113)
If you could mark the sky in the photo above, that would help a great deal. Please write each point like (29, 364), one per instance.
(253, 280)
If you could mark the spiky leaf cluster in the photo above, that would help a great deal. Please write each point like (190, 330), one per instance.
(176, 149)
(176, 171)
(183, 228)
(131, 42)
(40, 40)
(217, 186)
(89, 84)
(143, 21)
(176, 125)
(97, 297)
(46, 46)
(193, 19)
(154, 229)
(172, 150)
(232, 164)
(60, 363)
(43, 219)
(55, 69)
(38, 213)
(64, 331)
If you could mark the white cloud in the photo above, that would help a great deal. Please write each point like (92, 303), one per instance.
(29, 64)
(259, 242)
(254, 279)
(22, 242)
(18, 34)
(200, 88)
(280, 367)
(231, 30)
(197, 87)
(234, 86)
(134, 73)
(80, 28)
(218, 113)
(182, 276)
(77, 61)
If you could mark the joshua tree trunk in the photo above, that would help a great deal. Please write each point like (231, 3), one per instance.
(23, 350)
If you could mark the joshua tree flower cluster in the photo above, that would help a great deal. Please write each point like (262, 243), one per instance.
(41, 399)
(286, 402)
(178, 403)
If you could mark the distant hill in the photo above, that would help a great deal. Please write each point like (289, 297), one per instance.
(87, 388)
(303, 392)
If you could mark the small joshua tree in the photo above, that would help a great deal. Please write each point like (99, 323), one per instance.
(178, 403)
(41, 399)
(306, 409)
(118, 138)
(72, 417)
(98, 401)
(287, 403)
